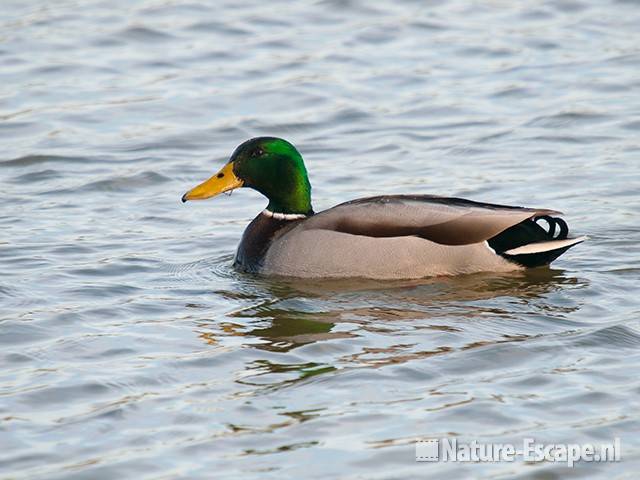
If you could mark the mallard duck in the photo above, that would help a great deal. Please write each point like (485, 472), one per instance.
(382, 237)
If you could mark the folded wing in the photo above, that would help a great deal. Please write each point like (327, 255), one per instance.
(443, 220)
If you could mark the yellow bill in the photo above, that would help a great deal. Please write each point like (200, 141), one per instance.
(221, 182)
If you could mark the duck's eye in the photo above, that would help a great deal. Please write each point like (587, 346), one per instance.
(257, 152)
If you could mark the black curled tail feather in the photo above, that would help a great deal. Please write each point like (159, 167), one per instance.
(530, 232)
(553, 222)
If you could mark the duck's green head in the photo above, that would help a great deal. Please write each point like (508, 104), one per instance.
(270, 165)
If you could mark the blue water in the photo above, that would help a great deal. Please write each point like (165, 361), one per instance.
(129, 348)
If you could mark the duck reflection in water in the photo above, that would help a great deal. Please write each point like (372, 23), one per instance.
(289, 314)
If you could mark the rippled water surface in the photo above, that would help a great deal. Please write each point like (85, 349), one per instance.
(129, 348)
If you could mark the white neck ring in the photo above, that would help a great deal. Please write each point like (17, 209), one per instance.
(283, 216)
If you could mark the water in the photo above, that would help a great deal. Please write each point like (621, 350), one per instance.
(129, 346)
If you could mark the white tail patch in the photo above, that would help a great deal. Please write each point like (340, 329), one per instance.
(538, 247)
